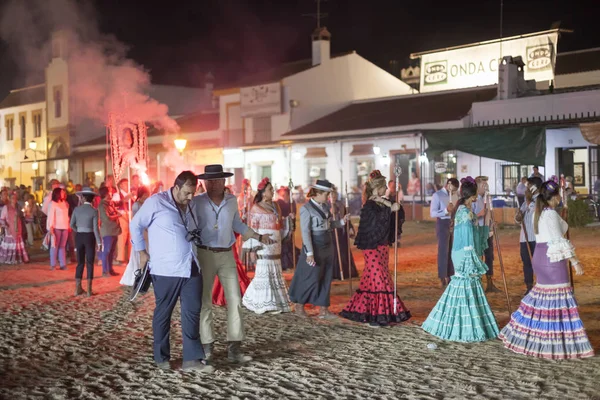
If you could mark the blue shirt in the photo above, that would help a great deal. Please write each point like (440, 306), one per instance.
(170, 253)
(218, 232)
(477, 207)
(439, 202)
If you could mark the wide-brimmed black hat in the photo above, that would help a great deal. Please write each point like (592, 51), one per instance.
(87, 190)
(323, 185)
(214, 171)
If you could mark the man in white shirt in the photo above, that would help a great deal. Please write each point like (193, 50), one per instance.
(174, 268)
(524, 217)
(441, 209)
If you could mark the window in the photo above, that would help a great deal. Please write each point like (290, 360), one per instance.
(58, 101)
(37, 124)
(23, 132)
(265, 171)
(9, 124)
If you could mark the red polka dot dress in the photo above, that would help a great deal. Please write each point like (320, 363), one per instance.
(373, 302)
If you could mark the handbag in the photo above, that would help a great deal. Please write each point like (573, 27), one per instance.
(141, 283)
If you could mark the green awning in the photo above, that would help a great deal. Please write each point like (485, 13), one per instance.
(523, 145)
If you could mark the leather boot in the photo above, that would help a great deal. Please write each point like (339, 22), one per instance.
(235, 354)
(78, 288)
(490, 285)
(208, 351)
(89, 288)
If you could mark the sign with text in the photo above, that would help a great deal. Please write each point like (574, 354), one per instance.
(261, 100)
(478, 65)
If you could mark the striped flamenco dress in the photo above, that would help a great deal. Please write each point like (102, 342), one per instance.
(463, 314)
(547, 323)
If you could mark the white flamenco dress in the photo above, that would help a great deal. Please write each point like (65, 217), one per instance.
(267, 292)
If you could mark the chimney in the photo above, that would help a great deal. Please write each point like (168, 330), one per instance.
(321, 46)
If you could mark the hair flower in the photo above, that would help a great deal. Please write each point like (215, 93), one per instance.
(263, 184)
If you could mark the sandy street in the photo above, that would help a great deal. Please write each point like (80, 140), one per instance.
(55, 346)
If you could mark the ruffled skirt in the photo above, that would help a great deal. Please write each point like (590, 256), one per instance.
(267, 291)
(462, 314)
(373, 302)
(547, 325)
(12, 250)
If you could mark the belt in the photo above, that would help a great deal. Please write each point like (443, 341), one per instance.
(268, 257)
(216, 249)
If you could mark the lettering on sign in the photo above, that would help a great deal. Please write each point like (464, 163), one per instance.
(478, 65)
(440, 167)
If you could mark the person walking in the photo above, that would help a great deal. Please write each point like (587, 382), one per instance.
(218, 221)
(84, 223)
(312, 279)
(174, 268)
(524, 217)
(267, 291)
(12, 247)
(121, 200)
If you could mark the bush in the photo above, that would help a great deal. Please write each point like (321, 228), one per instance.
(579, 214)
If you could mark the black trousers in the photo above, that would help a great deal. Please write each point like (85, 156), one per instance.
(527, 266)
(85, 243)
(444, 256)
(489, 256)
(167, 290)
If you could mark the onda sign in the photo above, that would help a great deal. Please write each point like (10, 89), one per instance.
(477, 65)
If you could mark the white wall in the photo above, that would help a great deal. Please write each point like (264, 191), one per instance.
(332, 85)
(559, 138)
(57, 74)
(538, 108)
(11, 150)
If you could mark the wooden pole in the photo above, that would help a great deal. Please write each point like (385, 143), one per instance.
(497, 241)
(290, 187)
(564, 213)
(398, 172)
(348, 240)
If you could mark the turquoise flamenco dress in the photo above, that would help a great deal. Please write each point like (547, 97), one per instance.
(463, 314)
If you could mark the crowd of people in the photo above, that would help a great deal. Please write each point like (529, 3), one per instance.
(199, 241)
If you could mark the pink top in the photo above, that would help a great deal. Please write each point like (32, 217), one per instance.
(58, 217)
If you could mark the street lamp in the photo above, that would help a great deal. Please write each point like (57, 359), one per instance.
(34, 166)
(376, 150)
(180, 144)
(33, 145)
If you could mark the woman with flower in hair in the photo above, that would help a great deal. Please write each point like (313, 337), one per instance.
(463, 314)
(374, 301)
(547, 323)
(267, 291)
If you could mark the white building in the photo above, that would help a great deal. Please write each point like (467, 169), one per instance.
(39, 137)
(257, 112)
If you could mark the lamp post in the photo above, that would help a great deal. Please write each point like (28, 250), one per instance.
(180, 144)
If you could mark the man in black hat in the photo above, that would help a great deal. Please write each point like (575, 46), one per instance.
(218, 219)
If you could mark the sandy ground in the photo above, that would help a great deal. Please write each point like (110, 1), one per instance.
(55, 346)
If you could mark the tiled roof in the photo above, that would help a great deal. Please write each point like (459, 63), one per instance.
(29, 95)
(578, 61)
(399, 111)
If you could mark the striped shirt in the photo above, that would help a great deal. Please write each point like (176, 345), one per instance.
(528, 211)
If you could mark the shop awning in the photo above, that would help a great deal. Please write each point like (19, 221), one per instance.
(316, 152)
(523, 145)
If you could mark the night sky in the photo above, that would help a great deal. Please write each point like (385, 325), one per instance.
(179, 44)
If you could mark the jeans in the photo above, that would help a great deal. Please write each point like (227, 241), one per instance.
(85, 243)
(527, 267)
(59, 248)
(108, 255)
(167, 290)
